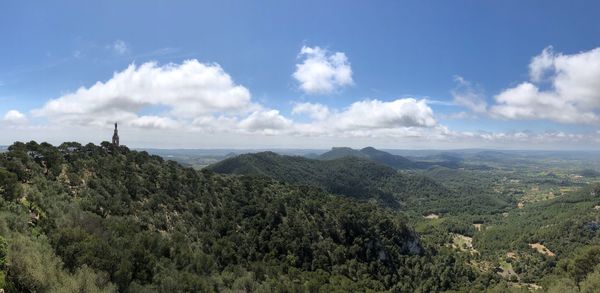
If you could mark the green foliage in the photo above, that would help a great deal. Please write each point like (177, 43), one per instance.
(584, 262)
(350, 176)
(9, 187)
(98, 214)
(33, 267)
(3, 252)
(385, 158)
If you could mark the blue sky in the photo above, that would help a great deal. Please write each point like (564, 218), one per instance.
(409, 62)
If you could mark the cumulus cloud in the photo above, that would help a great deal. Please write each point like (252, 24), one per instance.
(367, 118)
(154, 122)
(270, 122)
(186, 91)
(371, 118)
(314, 111)
(14, 117)
(369, 114)
(406, 117)
(203, 98)
(194, 96)
(540, 64)
(322, 72)
(119, 47)
(572, 94)
(214, 124)
(469, 96)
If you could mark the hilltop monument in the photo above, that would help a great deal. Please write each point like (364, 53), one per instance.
(115, 138)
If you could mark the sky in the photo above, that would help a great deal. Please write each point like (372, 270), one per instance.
(302, 74)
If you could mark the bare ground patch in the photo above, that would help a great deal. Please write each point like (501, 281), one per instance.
(542, 249)
(463, 243)
(432, 216)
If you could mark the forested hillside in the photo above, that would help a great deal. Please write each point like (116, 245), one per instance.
(463, 192)
(350, 176)
(480, 214)
(387, 159)
(92, 218)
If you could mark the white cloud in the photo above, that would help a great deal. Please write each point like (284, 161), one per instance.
(186, 91)
(268, 122)
(154, 122)
(314, 111)
(467, 95)
(541, 64)
(14, 117)
(199, 97)
(370, 114)
(367, 118)
(119, 47)
(572, 96)
(405, 117)
(194, 97)
(212, 124)
(322, 72)
(374, 118)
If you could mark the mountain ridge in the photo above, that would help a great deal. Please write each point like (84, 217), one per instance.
(359, 178)
(385, 158)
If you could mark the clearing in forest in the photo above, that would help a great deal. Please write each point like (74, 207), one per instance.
(463, 243)
(432, 216)
(541, 249)
(506, 270)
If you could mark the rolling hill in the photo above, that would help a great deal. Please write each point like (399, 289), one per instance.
(385, 158)
(350, 176)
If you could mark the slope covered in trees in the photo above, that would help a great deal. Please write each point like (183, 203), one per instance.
(102, 218)
(350, 176)
(341, 152)
(385, 158)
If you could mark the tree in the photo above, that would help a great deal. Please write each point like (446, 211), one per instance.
(9, 185)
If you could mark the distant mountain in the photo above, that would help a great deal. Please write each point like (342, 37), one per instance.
(381, 157)
(312, 156)
(341, 152)
(493, 155)
(589, 173)
(445, 157)
(385, 158)
(359, 178)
